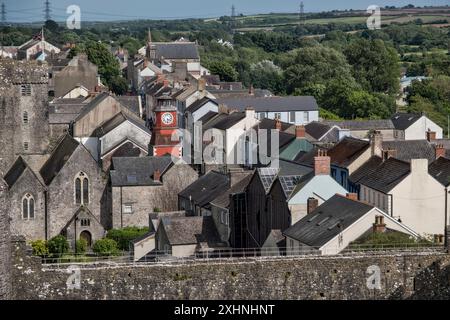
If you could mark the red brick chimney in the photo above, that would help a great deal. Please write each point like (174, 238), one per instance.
(352, 196)
(440, 151)
(300, 132)
(322, 163)
(379, 226)
(157, 176)
(312, 205)
(278, 124)
(431, 135)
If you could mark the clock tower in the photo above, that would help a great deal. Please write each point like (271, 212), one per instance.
(165, 139)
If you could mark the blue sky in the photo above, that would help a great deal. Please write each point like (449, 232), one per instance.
(32, 10)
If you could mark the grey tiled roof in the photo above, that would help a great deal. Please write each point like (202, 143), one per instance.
(403, 121)
(317, 129)
(198, 104)
(115, 121)
(58, 159)
(327, 221)
(347, 150)
(131, 102)
(386, 176)
(411, 149)
(15, 171)
(265, 104)
(224, 121)
(362, 124)
(367, 168)
(223, 201)
(191, 230)
(440, 170)
(138, 171)
(177, 50)
(206, 188)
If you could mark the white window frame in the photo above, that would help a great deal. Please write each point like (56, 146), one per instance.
(26, 215)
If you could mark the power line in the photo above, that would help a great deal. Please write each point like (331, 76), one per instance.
(47, 10)
(302, 13)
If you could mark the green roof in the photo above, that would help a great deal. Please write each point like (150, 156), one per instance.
(294, 148)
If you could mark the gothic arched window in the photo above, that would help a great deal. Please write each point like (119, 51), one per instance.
(81, 189)
(27, 207)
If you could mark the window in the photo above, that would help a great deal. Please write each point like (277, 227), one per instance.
(25, 146)
(25, 90)
(262, 115)
(81, 189)
(306, 117)
(278, 115)
(25, 117)
(28, 207)
(85, 222)
(224, 218)
(128, 208)
(292, 117)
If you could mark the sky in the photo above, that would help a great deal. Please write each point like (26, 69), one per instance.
(33, 10)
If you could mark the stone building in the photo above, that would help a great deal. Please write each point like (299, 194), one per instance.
(5, 248)
(146, 184)
(23, 110)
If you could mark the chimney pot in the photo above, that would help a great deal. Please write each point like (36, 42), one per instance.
(379, 226)
(312, 205)
(322, 163)
(352, 196)
(278, 124)
(440, 151)
(157, 176)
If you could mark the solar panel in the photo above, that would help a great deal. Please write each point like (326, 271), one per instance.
(288, 183)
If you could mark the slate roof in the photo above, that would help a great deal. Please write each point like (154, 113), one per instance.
(138, 171)
(440, 170)
(115, 121)
(131, 102)
(207, 117)
(327, 221)
(190, 230)
(223, 201)
(268, 124)
(292, 150)
(177, 50)
(58, 158)
(317, 129)
(403, 121)
(224, 121)
(362, 124)
(206, 188)
(386, 176)
(291, 168)
(265, 104)
(198, 104)
(15, 171)
(367, 168)
(347, 150)
(411, 149)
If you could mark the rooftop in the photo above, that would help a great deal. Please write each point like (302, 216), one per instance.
(265, 104)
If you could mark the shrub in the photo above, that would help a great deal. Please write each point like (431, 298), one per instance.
(105, 247)
(39, 248)
(81, 246)
(125, 235)
(58, 246)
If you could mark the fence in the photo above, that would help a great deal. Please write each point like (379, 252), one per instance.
(228, 254)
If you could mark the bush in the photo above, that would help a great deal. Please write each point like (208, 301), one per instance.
(39, 248)
(81, 246)
(125, 235)
(58, 246)
(105, 247)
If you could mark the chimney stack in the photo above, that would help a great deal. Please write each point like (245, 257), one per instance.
(166, 83)
(376, 144)
(250, 112)
(440, 151)
(160, 78)
(431, 135)
(278, 124)
(322, 163)
(251, 90)
(157, 176)
(312, 205)
(379, 226)
(201, 84)
(300, 132)
(352, 196)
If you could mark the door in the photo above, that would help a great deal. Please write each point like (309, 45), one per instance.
(86, 235)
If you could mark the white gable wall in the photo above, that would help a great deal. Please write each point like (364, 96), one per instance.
(125, 130)
(418, 130)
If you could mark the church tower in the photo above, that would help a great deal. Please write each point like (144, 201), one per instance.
(165, 136)
(24, 126)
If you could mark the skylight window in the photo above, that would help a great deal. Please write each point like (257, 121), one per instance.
(131, 178)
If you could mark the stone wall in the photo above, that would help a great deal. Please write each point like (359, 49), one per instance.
(5, 250)
(402, 277)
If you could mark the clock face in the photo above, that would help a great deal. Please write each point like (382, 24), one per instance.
(167, 118)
